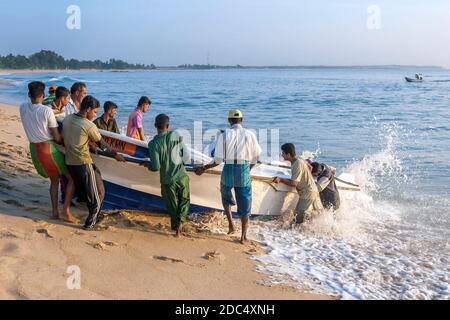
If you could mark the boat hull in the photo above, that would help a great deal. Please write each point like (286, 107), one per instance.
(130, 186)
(134, 187)
(412, 80)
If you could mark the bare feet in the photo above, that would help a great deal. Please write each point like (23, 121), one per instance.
(231, 229)
(55, 216)
(179, 232)
(68, 217)
(243, 240)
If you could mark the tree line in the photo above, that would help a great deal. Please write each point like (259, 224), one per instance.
(46, 59)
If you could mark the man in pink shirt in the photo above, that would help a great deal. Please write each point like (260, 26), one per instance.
(135, 129)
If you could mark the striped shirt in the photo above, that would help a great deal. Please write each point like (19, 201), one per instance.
(236, 175)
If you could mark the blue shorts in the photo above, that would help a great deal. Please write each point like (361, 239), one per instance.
(243, 199)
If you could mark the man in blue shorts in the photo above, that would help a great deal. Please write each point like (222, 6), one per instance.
(239, 149)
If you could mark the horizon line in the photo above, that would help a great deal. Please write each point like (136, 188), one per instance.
(307, 66)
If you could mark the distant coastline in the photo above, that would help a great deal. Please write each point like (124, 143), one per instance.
(47, 61)
(212, 67)
(6, 71)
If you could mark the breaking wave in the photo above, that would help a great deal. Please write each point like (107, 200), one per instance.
(370, 248)
(71, 79)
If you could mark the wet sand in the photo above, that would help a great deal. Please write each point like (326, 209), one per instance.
(132, 256)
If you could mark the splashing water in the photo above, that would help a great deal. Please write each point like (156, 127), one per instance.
(367, 249)
(374, 169)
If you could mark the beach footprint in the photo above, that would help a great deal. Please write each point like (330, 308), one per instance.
(214, 256)
(9, 248)
(164, 258)
(102, 245)
(45, 232)
(8, 234)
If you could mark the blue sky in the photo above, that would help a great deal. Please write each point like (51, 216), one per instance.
(246, 32)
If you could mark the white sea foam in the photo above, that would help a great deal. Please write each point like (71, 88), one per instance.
(71, 79)
(10, 82)
(366, 250)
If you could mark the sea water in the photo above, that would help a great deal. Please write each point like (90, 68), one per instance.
(392, 240)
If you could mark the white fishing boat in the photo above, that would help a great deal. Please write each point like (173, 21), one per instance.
(132, 186)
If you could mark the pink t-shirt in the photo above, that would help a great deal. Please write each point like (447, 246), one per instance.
(134, 123)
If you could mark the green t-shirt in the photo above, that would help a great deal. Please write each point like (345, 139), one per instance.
(78, 131)
(49, 100)
(168, 153)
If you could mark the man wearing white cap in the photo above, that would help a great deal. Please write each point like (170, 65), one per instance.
(239, 149)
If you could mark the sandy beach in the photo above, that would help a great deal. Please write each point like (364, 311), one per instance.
(37, 71)
(134, 256)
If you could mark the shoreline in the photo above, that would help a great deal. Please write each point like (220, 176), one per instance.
(135, 255)
(38, 71)
(178, 68)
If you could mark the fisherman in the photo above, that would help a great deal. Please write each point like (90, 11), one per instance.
(326, 184)
(240, 150)
(301, 179)
(62, 97)
(107, 120)
(41, 128)
(49, 100)
(135, 129)
(79, 131)
(168, 153)
(77, 93)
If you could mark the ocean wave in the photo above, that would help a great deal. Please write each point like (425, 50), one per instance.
(370, 248)
(71, 79)
(10, 82)
(381, 265)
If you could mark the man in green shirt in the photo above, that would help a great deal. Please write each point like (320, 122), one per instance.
(52, 96)
(168, 153)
